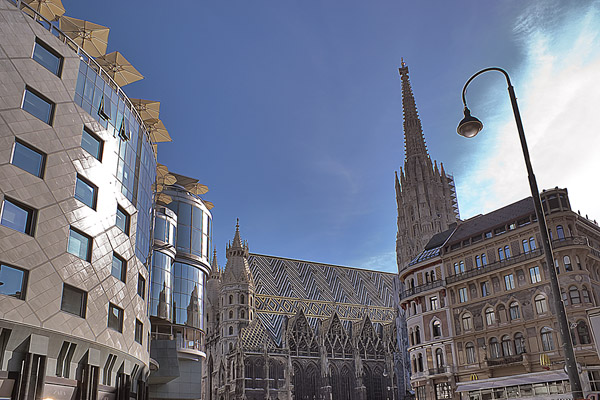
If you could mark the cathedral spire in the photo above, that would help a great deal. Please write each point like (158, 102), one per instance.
(414, 142)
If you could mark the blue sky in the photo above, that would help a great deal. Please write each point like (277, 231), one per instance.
(290, 111)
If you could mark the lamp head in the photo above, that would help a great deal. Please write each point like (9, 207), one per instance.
(469, 126)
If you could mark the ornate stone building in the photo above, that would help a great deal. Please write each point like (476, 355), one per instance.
(425, 194)
(479, 311)
(286, 329)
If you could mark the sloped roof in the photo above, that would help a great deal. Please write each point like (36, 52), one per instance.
(255, 337)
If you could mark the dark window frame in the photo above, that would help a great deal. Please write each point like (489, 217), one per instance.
(83, 305)
(23, 282)
(139, 329)
(90, 133)
(127, 220)
(94, 191)
(38, 94)
(49, 49)
(123, 277)
(42, 167)
(112, 306)
(90, 243)
(141, 293)
(31, 215)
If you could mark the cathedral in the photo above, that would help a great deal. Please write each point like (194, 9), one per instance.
(279, 328)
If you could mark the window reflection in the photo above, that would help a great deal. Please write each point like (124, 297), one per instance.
(162, 286)
(188, 296)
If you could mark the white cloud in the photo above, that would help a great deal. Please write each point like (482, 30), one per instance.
(557, 87)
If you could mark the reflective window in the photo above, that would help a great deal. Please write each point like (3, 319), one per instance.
(462, 295)
(583, 333)
(560, 232)
(161, 287)
(532, 243)
(541, 305)
(164, 230)
(507, 349)
(509, 282)
(139, 331)
(141, 288)
(119, 268)
(490, 317)
(92, 144)
(115, 317)
(534, 274)
(188, 295)
(434, 303)
(494, 348)
(18, 216)
(14, 281)
(574, 295)
(80, 245)
(514, 311)
(74, 300)
(567, 262)
(28, 159)
(47, 57)
(470, 352)
(546, 336)
(86, 192)
(38, 106)
(526, 246)
(467, 322)
(122, 221)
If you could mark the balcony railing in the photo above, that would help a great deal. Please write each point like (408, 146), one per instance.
(505, 360)
(421, 288)
(494, 266)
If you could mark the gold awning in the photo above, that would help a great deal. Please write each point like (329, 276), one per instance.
(92, 38)
(49, 9)
(148, 109)
(157, 131)
(118, 68)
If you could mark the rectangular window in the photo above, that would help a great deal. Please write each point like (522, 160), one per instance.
(18, 216)
(74, 301)
(47, 57)
(38, 106)
(122, 221)
(462, 294)
(86, 192)
(14, 281)
(141, 289)
(139, 331)
(485, 289)
(29, 159)
(92, 144)
(509, 282)
(115, 317)
(534, 274)
(119, 268)
(434, 303)
(80, 245)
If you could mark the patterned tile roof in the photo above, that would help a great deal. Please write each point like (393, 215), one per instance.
(283, 286)
(254, 337)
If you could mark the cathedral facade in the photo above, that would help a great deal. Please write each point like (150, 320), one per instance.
(279, 328)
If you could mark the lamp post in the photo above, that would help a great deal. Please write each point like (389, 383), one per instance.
(471, 126)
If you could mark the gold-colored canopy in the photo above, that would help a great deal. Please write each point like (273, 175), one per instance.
(164, 177)
(209, 204)
(148, 109)
(118, 68)
(49, 9)
(163, 198)
(92, 38)
(157, 131)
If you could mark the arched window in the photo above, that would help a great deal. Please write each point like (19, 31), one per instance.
(230, 330)
(439, 358)
(490, 317)
(467, 322)
(560, 233)
(251, 301)
(501, 313)
(532, 243)
(242, 299)
(420, 362)
(414, 365)
(432, 276)
(567, 262)
(478, 262)
(507, 349)
(426, 277)
(564, 297)
(546, 336)
(411, 337)
(525, 246)
(483, 259)
(230, 346)
(437, 328)
(417, 335)
(230, 299)
(414, 308)
(412, 284)
(501, 254)
(494, 348)
(574, 295)
(583, 333)
(514, 311)
(230, 314)
(242, 314)
(507, 251)
(585, 294)
(519, 343)
(470, 353)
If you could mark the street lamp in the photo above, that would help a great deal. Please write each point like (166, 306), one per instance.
(471, 126)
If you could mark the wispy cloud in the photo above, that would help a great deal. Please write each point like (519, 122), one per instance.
(385, 262)
(557, 86)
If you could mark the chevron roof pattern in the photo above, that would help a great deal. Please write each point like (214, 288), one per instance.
(283, 286)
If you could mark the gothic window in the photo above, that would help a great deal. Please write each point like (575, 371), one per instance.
(230, 314)
(311, 383)
(514, 311)
(507, 349)
(414, 365)
(417, 335)
(490, 316)
(501, 313)
(437, 328)
(578, 262)
(426, 277)
(242, 299)
(242, 314)
(439, 358)
(420, 362)
(574, 295)
(541, 305)
(560, 233)
(583, 333)
(346, 386)
(519, 343)
(546, 336)
(298, 381)
(230, 299)
(467, 322)
(411, 337)
(494, 348)
(231, 331)
(470, 353)
(567, 263)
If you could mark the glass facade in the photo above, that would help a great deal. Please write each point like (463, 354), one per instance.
(188, 295)
(161, 292)
(164, 230)
(193, 229)
(136, 169)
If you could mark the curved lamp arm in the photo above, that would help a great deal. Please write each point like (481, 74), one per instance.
(464, 91)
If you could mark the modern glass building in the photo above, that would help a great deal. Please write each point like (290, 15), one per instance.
(180, 267)
(76, 200)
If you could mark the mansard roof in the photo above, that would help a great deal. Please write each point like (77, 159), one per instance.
(283, 286)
